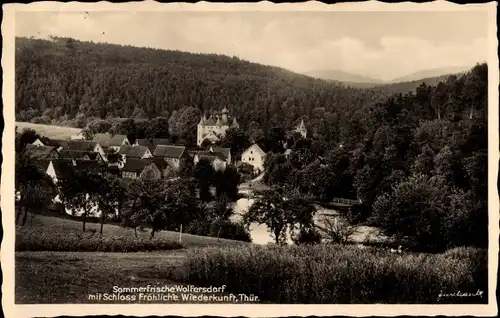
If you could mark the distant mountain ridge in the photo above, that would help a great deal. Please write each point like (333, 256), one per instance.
(432, 73)
(344, 77)
(361, 81)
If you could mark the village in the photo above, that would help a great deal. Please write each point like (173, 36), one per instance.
(145, 159)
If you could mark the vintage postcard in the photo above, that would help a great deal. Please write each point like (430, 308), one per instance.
(251, 159)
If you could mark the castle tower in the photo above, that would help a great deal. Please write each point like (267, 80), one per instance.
(215, 126)
(224, 116)
(301, 129)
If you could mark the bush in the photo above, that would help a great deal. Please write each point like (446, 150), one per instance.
(40, 238)
(309, 236)
(338, 274)
(229, 230)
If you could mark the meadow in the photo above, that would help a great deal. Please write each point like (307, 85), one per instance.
(48, 233)
(339, 274)
(55, 250)
(50, 131)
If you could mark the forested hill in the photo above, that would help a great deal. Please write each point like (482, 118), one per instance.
(68, 77)
(58, 79)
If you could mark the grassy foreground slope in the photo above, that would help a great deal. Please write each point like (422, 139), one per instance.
(47, 233)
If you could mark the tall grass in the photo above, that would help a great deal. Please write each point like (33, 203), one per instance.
(40, 238)
(338, 274)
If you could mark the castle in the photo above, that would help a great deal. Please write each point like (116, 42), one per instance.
(214, 128)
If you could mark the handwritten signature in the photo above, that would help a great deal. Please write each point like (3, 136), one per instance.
(460, 294)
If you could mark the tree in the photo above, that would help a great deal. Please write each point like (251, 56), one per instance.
(226, 182)
(203, 174)
(276, 140)
(415, 210)
(158, 128)
(80, 191)
(237, 140)
(163, 205)
(110, 198)
(28, 136)
(279, 209)
(34, 187)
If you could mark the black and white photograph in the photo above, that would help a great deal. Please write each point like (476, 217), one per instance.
(219, 155)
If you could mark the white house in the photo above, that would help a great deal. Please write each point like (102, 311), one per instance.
(254, 156)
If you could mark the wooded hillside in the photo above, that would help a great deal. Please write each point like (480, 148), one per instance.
(62, 79)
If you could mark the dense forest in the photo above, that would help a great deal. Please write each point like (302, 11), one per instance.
(414, 153)
(418, 162)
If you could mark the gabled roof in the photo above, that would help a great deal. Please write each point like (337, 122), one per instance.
(108, 140)
(78, 145)
(74, 154)
(255, 147)
(159, 162)
(225, 151)
(43, 164)
(40, 152)
(63, 168)
(133, 151)
(136, 165)
(88, 164)
(152, 143)
(210, 156)
(235, 123)
(210, 122)
(94, 155)
(169, 151)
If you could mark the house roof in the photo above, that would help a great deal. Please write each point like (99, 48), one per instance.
(159, 162)
(210, 156)
(39, 152)
(255, 147)
(136, 165)
(219, 119)
(88, 164)
(108, 140)
(225, 151)
(78, 145)
(63, 168)
(74, 154)
(169, 151)
(43, 164)
(209, 122)
(133, 151)
(94, 155)
(152, 143)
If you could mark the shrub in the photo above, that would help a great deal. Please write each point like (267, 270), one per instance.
(337, 274)
(307, 236)
(229, 230)
(40, 238)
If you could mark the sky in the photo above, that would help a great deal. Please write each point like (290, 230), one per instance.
(381, 45)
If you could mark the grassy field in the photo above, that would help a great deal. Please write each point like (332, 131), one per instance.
(339, 274)
(61, 225)
(66, 277)
(334, 274)
(50, 131)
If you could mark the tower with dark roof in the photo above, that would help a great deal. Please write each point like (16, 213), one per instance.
(301, 129)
